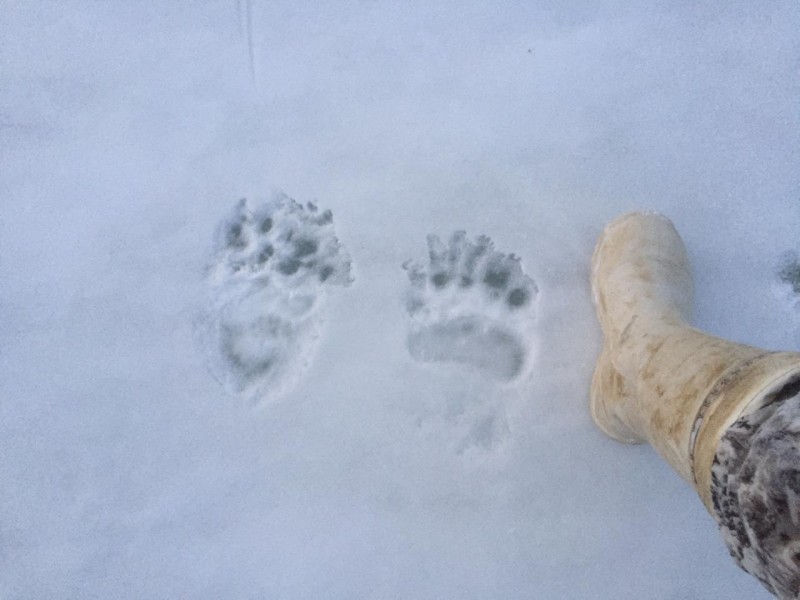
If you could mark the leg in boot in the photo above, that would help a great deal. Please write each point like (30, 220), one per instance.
(755, 487)
(718, 412)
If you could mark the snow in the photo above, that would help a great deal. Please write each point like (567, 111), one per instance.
(128, 133)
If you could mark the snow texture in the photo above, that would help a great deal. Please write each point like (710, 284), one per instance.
(447, 453)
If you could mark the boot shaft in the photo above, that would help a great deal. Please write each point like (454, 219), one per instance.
(673, 371)
(660, 380)
(640, 269)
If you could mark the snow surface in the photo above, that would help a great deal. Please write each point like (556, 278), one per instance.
(128, 133)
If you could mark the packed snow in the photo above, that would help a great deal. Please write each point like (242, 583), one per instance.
(384, 392)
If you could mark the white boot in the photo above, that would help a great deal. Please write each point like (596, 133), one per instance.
(659, 380)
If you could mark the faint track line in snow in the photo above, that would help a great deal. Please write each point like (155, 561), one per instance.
(250, 45)
(244, 22)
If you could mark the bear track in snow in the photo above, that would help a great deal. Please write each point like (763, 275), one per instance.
(788, 278)
(471, 306)
(267, 282)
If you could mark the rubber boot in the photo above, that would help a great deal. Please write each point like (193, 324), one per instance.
(658, 380)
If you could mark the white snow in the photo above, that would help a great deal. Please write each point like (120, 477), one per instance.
(129, 131)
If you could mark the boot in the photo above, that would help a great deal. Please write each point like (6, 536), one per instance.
(658, 380)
